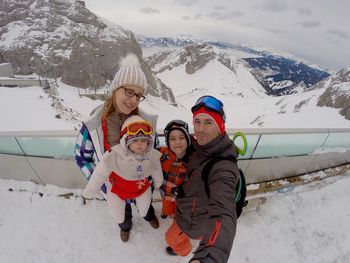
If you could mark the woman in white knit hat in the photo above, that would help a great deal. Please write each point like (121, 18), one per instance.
(101, 130)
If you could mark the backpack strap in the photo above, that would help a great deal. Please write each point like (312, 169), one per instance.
(206, 170)
(240, 183)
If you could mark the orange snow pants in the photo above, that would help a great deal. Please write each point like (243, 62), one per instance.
(178, 240)
(168, 207)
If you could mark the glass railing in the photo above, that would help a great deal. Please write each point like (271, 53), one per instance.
(341, 140)
(252, 141)
(278, 145)
(50, 144)
(59, 148)
(262, 143)
(10, 145)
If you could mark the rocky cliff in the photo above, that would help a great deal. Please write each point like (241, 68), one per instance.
(337, 93)
(62, 38)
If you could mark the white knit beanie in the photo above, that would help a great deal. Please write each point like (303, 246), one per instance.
(130, 73)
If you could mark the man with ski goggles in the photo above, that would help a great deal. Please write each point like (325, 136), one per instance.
(213, 218)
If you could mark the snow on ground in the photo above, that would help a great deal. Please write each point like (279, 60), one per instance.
(308, 223)
(28, 109)
(81, 104)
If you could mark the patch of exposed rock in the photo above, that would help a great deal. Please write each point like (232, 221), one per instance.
(198, 56)
(193, 56)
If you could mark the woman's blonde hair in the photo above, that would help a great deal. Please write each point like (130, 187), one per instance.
(110, 106)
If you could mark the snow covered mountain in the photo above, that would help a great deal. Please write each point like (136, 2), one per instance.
(278, 74)
(192, 68)
(63, 39)
(204, 69)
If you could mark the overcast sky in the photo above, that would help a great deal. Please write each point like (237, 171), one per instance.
(315, 30)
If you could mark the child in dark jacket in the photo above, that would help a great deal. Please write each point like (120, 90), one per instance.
(174, 161)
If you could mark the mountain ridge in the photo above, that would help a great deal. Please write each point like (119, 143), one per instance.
(279, 75)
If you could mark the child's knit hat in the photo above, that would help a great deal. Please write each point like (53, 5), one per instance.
(177, 125)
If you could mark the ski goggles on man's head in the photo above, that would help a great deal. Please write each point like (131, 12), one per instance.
(137, 127)
(176, 123)
(210, 103)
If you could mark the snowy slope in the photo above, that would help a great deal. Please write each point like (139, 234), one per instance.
(23, 109)
(28, 109)
(213, 77)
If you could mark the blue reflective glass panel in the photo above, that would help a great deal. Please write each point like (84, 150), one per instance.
(341, 140)
(56, 147)
(278, 145)
(9, 145)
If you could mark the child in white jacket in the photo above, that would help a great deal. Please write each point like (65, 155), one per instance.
(127, 170)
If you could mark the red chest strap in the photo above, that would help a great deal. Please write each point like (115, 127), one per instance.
(105, 133)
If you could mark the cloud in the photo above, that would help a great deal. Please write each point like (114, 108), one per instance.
(305, 11)
(310, 23)
(149, 11)
(186, 18)
(224, 15)
(339, 33)
(275, 31)
(220, 7)
(185, 2)
(274, 6)
(197, 16)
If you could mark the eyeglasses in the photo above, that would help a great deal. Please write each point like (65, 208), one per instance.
(137, 127)
(175, 123)
(131, 93)
(210, 103)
